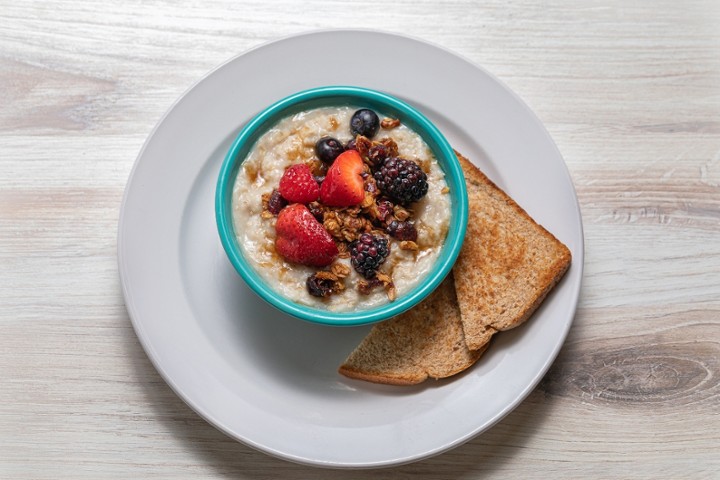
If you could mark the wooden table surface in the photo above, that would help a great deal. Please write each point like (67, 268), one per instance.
(630, 92)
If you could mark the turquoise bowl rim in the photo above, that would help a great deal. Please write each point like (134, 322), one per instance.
(338, 96)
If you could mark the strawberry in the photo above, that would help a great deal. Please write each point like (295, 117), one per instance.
(302, 239)
(297, 185)
(343, 186)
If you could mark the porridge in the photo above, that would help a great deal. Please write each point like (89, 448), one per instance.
(337, 209)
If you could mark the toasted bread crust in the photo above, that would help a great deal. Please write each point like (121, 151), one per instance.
(387, 378)
(508, 263)
(424, 342)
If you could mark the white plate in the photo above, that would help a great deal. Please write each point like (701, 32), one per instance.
(269, 380)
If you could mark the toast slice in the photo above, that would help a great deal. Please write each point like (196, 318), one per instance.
(506, 267)
(508, 262)
(425, 342)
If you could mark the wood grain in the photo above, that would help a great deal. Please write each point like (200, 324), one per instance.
(630, 92)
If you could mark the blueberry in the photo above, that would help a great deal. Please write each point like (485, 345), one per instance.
(364, 122)
(327, 149)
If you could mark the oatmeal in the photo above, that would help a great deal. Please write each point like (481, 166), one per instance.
(372, 238)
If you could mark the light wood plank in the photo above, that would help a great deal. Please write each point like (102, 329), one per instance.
(630, 92)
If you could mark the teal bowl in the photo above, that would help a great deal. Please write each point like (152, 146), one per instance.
(386, 105)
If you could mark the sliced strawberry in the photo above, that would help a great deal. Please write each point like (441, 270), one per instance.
(302, 239)
(297, 185)
(343, 186)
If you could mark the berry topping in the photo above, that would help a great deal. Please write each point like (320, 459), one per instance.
(276, 202)
(327, 149)
(316, 210)
(302, 239)
(367, 253)
(377, 155)
(402, 180)
(384, 210)
(364, 122)
(380, 151)
(402, 230)
(298, 185)
(351, 145)
(343, 185)
(319, 287)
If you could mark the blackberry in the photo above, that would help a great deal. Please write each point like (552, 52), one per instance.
(402, 180)
(402, 230)
(367, 253)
